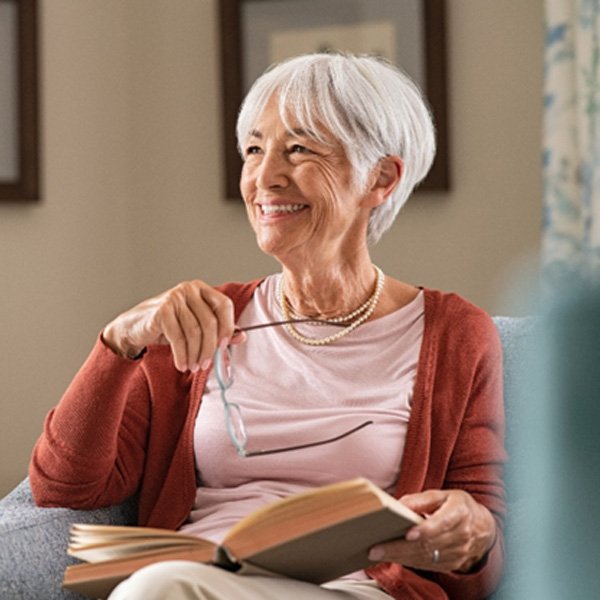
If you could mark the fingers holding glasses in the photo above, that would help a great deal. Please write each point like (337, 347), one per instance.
(214, 325)
(193, 318)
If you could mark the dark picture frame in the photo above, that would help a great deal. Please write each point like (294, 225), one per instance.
(434, 86)
(25, 186)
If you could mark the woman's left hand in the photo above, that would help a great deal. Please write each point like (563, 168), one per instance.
(454, 537)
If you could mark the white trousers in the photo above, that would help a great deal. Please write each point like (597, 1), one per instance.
(185, 580)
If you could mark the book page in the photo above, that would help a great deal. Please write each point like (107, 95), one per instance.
(85, 533)
(112, 550)
(95, 543)
(97, 580)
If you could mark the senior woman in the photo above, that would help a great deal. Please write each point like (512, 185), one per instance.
(373, 377)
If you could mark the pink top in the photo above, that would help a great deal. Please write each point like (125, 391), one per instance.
(306, 394)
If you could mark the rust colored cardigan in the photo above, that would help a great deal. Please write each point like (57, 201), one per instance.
(126, 427)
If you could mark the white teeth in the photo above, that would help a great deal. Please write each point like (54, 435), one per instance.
(270, 209)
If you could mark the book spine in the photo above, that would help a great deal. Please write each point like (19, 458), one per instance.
(224, 559)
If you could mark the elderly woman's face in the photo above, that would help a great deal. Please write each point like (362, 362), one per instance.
(300, 194)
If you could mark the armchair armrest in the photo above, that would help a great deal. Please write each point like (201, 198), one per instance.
(33, 543)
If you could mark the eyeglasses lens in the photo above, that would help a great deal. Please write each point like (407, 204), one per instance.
(224, 367)
(235, 426)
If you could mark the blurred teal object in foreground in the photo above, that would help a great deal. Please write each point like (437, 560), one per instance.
(557, 477)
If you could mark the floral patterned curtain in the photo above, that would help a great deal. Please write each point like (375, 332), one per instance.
(571, 158)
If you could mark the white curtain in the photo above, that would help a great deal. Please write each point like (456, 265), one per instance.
(571, 158)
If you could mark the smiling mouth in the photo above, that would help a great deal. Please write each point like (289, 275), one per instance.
(281, 209)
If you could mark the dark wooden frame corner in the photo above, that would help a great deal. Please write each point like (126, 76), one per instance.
(26, 186)
(438, 178)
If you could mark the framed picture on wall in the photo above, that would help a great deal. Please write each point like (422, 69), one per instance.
(19, 163)
(258, 33)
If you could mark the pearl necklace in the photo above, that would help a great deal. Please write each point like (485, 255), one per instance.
(360, 315)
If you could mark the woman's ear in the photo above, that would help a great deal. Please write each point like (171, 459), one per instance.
(385, 177)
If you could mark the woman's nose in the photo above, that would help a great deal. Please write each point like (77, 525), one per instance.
(273, 171)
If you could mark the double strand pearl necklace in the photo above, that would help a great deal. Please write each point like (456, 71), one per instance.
(354, 319)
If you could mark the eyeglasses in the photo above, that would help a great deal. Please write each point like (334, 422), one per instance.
(236, 429)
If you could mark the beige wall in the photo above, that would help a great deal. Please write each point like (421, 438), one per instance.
(132, 198)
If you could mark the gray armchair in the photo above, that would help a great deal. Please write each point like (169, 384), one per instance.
(33, 543)
(33, 540)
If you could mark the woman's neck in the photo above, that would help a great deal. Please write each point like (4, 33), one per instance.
(328, 292)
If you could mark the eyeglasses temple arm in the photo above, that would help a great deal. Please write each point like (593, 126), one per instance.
(288, 321)
(309, 445)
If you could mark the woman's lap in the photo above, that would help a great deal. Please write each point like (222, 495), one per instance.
(185, 580)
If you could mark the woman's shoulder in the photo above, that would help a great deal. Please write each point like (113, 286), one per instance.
(237, 289)
(449, 313)
(240, 293)
(453, 304)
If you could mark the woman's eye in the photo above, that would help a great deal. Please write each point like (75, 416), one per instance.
(252, 150)
(297, 148)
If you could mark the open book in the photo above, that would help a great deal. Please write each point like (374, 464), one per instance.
(316, 536)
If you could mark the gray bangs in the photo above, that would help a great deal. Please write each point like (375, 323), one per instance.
(315, 96)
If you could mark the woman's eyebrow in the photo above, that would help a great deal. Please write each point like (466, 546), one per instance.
(296, 132)
(300, 132)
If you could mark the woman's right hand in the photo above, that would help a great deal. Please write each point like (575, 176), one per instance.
(193, 318)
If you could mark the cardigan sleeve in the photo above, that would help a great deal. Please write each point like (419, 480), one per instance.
(478, 455)
(118, 429)
(92, 448)
(457, 440)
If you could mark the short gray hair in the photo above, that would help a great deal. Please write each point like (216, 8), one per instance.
(372, 108)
